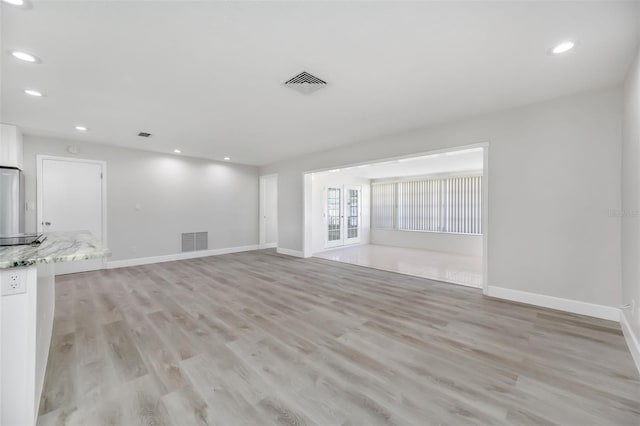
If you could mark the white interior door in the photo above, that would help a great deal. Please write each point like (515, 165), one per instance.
(71, 199)
(352, 214)
(269, 211)
(334, 216)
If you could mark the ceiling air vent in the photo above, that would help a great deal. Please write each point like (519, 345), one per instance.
(144, 134)
(305, 83)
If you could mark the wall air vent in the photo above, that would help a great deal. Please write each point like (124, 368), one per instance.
(144, 134)
(193, 241)
(305, 83)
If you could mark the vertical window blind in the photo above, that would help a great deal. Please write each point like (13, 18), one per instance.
(419, 205)
(383, 197)
(435, 205)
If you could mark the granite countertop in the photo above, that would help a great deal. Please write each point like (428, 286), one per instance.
(58, 247)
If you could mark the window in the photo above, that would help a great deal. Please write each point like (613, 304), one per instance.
(433, 205)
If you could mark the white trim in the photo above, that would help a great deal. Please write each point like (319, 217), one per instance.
(269, 245)
(39, 193)
(178, 256)
(289, 252)
(485, 218)
(576, 307)
(631, 338)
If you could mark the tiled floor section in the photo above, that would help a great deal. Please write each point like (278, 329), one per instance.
(436, 265)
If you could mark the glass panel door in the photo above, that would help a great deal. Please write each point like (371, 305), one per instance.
(352, 213)
(334, 217)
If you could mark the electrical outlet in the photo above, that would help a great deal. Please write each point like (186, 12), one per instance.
(14, 282)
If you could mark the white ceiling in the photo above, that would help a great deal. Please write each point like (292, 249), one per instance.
(446, 162)
(206, 77)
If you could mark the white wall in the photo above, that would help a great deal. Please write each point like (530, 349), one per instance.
(176, 194)
(630, 212)
(319, 227)
(468, 245)
(554, 177)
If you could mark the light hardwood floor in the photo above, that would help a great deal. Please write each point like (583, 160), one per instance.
(259, 338)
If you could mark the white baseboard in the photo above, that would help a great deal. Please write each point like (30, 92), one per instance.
(631, 338)
(269, 245)
(583, 308)
(178, 256)
(289, 252)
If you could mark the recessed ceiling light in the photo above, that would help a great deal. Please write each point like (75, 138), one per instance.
(15, 2)
(227, 158)
(24, 56)
(33, 92)
(563, 47)
(81, 128)
(177, 151)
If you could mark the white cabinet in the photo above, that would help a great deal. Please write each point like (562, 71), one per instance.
(10, 146)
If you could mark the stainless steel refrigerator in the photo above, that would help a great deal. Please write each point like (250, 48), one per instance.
(11, 202)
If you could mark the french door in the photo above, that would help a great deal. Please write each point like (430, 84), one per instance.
(342, 213)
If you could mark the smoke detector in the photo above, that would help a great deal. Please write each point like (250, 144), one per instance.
(305, 83)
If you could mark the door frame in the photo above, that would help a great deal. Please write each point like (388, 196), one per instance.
(39, 192)
(261, 211)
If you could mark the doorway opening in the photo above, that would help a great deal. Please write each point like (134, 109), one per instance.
(268, 211)
(423, 215)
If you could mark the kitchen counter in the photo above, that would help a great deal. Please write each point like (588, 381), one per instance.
(58, 247)
(27, 305)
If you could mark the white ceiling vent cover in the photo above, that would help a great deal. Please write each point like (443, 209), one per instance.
(305, 83)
